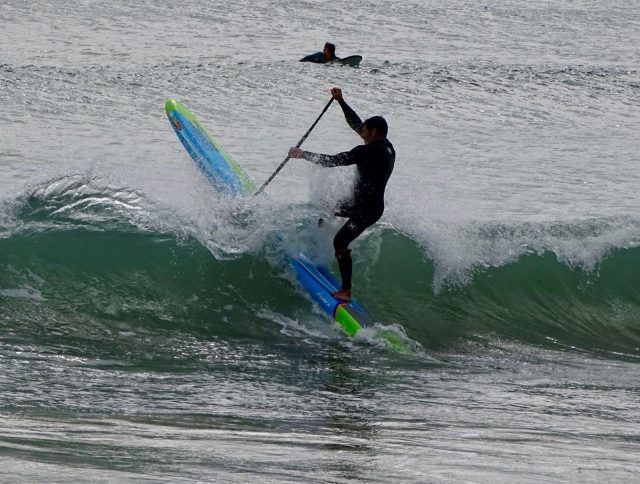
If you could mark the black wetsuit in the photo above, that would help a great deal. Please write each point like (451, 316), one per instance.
(374, 162)
(318, 58)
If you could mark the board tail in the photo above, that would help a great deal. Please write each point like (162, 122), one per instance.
(320, 283)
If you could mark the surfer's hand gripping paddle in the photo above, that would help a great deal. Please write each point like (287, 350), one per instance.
(297, 146)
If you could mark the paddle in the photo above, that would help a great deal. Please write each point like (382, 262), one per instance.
(297, 146)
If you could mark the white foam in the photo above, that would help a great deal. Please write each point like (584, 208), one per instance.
(24, 292)
(458, 243)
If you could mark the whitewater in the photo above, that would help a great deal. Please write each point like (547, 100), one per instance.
(151, 329)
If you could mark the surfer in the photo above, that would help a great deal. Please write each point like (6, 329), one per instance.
(374, 161)
(328, 54)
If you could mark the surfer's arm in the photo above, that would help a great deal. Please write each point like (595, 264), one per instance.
(353, 120)
(341, 159)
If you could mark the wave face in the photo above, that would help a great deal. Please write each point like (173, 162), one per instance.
(82, 263)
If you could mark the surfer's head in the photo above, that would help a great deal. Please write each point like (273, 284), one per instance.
(329, 50)
(373, 129)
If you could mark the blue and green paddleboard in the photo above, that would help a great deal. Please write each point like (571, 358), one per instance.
(222, 172)
(228, 178)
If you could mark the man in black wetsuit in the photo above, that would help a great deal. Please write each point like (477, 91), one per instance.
(328, 54)
(374, 161)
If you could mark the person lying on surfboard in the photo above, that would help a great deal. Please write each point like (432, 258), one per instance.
(328, 54)
(374, 161)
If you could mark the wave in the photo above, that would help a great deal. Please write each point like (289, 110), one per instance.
(86, 262)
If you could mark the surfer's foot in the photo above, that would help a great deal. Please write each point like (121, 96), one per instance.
(320, 222)
(342, 294)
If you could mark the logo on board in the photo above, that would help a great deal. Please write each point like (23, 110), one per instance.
(176, 123)
(323, 299)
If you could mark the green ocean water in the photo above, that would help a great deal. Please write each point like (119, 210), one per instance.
(75, 251)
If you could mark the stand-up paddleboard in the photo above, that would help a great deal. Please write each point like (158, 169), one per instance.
(318, 58)
(352, 60)
(320, 283)
(227, 177)
(219, 168)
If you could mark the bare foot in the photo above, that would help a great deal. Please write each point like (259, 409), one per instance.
(342, 294)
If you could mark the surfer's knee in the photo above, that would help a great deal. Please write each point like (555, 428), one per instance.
(343, 253)
(339, 243)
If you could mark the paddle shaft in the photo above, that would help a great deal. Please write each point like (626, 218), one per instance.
(281, 165)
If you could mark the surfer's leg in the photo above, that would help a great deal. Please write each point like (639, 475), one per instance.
(347, 234)
(345, 264)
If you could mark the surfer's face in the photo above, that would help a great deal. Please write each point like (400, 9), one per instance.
(368, 135)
